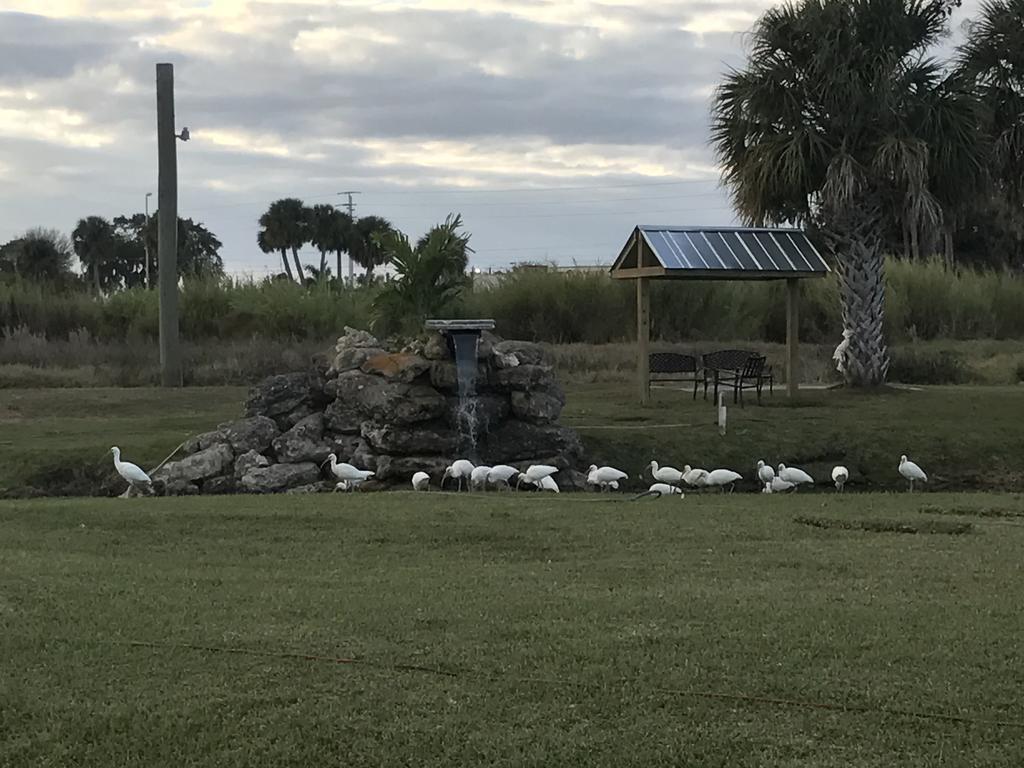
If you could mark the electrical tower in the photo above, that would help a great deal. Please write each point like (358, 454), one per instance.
(352, 215)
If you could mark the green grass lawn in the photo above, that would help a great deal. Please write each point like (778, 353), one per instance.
(568, 630)
(964, 437)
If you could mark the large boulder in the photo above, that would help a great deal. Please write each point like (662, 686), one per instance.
(526, 352)
(177, 486)
(343, 446)
(286, 398)
(203, 441)
(436, 347)
(518, 441)
(280, 477)
(395, 469)
(404, 439)
(524, 378)
(210, 462)
(249, 460)
(353, 349)
(303, 442)
(252, 434)
(540, 407)
(396, 367)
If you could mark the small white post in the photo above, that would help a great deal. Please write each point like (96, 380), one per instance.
(722, 415)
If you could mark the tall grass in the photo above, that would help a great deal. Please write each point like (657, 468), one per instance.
(926, 300)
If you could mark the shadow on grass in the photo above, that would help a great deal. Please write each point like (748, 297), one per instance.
(888, 526)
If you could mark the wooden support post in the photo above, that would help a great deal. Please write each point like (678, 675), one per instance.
(792, 336)
(167, 227)
(643, 338)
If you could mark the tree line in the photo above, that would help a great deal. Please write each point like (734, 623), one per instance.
(112, 253)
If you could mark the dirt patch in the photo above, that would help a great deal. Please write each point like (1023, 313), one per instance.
(1002, 512)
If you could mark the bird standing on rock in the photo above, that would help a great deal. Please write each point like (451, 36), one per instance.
(137, 479)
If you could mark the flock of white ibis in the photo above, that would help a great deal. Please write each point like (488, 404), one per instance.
(668, 480)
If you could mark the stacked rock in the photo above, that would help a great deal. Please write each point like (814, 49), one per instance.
(392, 412)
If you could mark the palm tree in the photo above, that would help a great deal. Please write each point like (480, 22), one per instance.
(284, 228)
(93, 241)
(267, 244)
(838, 118)
(991, 62)
(430, 277)
(365, 248)
(329, 232)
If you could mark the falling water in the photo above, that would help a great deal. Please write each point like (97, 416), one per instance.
(465, 364)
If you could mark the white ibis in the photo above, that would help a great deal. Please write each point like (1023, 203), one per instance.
(694, 478)
(502, 473)
(602, 476)
(722, 478)
(134, 474)
(765, 473)
(421, 481)
(348, 474)
(669, 475)
(478, 478)
(535, 473)
(778, 485)
(911, 472)
(458, 470)
(839, 476)
(795, 475)
(665, 489)
(548, 484)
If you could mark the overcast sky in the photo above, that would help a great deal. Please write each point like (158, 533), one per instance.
(553, 126)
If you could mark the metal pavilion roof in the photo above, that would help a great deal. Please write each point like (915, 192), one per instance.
(719, 253)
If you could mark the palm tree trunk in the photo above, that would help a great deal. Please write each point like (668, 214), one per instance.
(298, 265)
(96, 276)
(862, 358)
(287, 266)
(338, 273)
(323, 263)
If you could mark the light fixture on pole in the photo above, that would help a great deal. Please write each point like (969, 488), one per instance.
(145, 238)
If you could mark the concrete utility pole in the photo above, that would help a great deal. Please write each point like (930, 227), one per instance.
(167, 224)
(145, 238)
(352, 215)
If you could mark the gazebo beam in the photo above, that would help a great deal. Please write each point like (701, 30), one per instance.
(792, 336)
(643, 338)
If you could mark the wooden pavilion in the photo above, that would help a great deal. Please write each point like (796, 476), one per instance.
(717, 253)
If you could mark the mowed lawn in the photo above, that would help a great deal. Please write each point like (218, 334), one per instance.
(572, 630)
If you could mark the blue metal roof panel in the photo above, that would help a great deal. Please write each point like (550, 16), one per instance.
(734, 249)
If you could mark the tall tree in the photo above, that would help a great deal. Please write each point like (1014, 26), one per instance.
(839, 117)
(38, 255)
(265, 240)
(429, 278)
(93, 241)
(365, 247)
(286, 227)
(329, 232)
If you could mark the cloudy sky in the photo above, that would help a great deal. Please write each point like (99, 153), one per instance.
(553, 126)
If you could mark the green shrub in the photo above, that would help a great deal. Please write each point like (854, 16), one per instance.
(911, 365)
